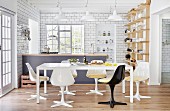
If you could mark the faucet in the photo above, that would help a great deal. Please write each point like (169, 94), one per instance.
(92, 45)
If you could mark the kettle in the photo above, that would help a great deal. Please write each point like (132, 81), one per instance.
(46, 49)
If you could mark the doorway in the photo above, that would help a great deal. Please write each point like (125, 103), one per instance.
(165, 51)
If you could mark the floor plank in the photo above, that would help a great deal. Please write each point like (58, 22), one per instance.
(17, 99)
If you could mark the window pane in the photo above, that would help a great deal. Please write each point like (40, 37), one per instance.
(3, 32)
(68, 50)
(78, 38)
(65, 34)
(65, 27)
(68, 42)
(62, 41)
(6, 21)
(55, 33)
(9, 33)
(55, 27)
(49, 27)
(49, 42)
(9, 22)
(3, 20)
(4, 82)
(55, 42)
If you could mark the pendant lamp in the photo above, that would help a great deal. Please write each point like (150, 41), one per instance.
(60, 16)
(115, 16)
(88, 16)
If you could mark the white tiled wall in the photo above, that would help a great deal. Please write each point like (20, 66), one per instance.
(25, 11)
(90, 29)
(166, 51)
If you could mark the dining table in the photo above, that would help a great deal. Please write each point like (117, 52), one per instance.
(52, 66)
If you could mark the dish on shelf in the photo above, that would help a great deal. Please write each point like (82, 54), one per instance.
(81, 64)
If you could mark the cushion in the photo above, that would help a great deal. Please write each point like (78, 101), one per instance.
(96, 75)
(136, 78)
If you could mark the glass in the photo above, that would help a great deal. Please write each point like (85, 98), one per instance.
(65, 34)
(49, 27)
(65, 27)
(9, 22)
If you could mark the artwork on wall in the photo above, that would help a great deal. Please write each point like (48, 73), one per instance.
(25, 32)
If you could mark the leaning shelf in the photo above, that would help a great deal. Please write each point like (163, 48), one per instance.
(137, 32)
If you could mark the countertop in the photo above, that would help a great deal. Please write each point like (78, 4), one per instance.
(64, 54)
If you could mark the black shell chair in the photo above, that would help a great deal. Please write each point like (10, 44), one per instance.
(117, 78)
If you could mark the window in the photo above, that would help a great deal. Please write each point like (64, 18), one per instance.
(65, 38)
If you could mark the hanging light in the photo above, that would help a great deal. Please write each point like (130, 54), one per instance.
(60, 16)
(88, 16)
(115, 16)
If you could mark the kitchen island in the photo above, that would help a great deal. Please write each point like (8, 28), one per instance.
(37, 59)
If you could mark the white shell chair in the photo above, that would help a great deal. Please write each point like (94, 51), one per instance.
(62, 77)
(74, 73)
(96, 74)
(141, 74)
(32, 76)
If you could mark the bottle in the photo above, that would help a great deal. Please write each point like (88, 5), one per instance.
(106, 41)
(84, 59)
(108, 33)
(104, 33)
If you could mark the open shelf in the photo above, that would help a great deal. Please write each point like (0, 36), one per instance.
(138, 31)
(137, 42)
(131, 13)
(140, 28)
(142, 7)
(137, 53)
(137, 21)
(132, 63)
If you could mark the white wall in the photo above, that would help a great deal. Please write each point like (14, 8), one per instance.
(25, 11)
(34, 44)
(157, 7)
(9, 4)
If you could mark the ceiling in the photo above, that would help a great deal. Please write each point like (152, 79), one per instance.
(123, 6)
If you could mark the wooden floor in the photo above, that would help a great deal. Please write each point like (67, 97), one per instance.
(17, 100)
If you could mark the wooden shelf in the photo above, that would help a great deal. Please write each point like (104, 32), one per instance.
(133, 63)
(131, 13)
(138, 31)
(137, 42)
(138, 34)
(137, 53)
(137, 21)
(142, 7)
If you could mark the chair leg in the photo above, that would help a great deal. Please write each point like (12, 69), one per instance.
(137, 95)
(96, 91)
(35, 97)
(112, 102)
(68, 92)
(62, 102)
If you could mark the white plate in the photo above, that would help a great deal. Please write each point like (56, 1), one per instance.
(81, 64)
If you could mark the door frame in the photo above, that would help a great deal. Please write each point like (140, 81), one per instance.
(162, 16)
(14, 77)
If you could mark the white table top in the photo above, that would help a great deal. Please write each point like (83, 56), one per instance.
(50, 66)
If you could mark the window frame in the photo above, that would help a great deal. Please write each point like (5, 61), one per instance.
(71, 37)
